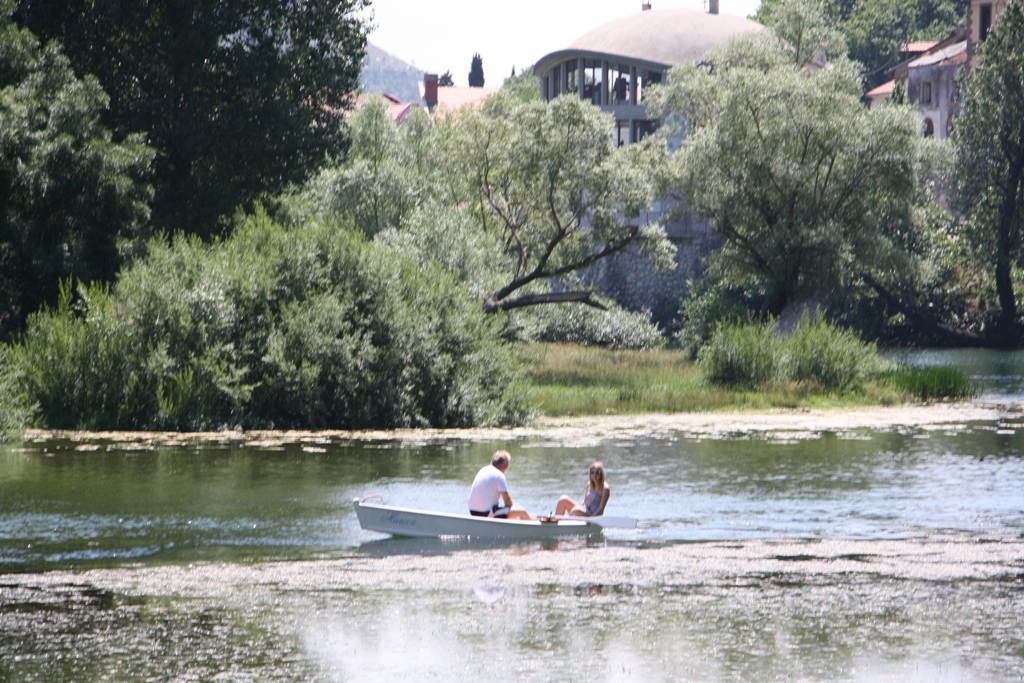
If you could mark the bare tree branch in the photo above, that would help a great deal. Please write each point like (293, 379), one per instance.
(583, 297)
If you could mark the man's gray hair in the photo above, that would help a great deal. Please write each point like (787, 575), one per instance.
(500, 458)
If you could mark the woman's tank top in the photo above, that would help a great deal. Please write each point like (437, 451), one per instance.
(592, 502)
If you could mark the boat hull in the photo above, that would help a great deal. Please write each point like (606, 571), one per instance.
(399, 521)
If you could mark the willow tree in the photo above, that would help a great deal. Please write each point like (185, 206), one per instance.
(989, 179)
(547, 182)
(805, 184)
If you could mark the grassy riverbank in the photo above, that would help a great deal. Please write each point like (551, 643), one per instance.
(577, 380)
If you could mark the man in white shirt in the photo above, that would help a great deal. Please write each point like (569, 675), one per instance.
(489, 495)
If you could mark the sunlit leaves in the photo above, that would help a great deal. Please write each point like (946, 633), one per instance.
(803, 182)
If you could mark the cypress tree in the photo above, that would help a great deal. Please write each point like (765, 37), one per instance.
(476, 72)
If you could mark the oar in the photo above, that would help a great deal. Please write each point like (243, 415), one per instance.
(606, 521)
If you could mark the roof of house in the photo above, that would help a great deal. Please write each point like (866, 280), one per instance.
(883, 90)
(918, 46)
(956, 59)
(456, 98)
(942, 55)
(660, 38)
(395, 108)
(899, 72)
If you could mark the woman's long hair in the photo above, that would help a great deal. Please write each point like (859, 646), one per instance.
(600, 477)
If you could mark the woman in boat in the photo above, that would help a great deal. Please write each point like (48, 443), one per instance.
(594, 499)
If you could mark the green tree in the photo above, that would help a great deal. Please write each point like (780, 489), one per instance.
(446, 80)
(476, 72)
(310, 326)
(408, 187)
(805, 184)
(238, 97)
(989, 172)
(387, 173)
(874, 30)
(526, 85)
(71, 201)
(547, 181)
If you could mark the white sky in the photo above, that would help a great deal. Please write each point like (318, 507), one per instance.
(441, 35)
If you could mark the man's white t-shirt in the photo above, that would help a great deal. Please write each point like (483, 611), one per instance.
(487, 489)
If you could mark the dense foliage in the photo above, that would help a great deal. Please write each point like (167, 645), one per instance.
(529, 192)
(308, 327)
(398, 262)
(238, 97)
(806, 186)
(875, 30)
(546, 179)
(72, 201)
(989, 166)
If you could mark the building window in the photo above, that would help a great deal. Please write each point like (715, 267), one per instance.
(571, 73)
(984, 21)
(622, 133)
(926, 92)
(929, 128)
(642, 128)
(619, 80)
(592, 77)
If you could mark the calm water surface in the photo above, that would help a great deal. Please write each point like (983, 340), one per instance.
(67, 508)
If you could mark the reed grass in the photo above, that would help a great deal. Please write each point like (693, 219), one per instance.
(932, 383)
(566, 380)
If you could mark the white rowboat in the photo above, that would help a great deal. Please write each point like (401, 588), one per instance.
(400, 521)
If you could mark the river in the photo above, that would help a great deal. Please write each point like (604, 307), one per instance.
(891, 552)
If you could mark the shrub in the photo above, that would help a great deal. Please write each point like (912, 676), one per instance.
(822, 353)
(709, 305)
(311, 327)
(932, 383)
(15, 411)
(746, 355)
(615, 328)
(817, 353)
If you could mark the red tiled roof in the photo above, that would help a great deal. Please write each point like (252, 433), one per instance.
(455, 98)
(396, 109)
(883, 90)
(946, 53)
(918, 46)
(390, 99)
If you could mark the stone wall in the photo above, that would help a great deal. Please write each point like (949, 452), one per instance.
(632, 281)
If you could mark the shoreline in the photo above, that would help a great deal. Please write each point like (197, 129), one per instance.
(583, 430)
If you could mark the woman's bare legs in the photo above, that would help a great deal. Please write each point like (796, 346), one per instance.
(565, 506)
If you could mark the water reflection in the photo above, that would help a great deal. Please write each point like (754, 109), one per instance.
(61, 507)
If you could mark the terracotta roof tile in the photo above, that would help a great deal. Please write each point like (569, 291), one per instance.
(455, 98)
(918, 46)
(882, 90)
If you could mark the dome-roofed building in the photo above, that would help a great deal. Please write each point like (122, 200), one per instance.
(611, 65)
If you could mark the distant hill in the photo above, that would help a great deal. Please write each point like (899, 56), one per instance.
(385, 73)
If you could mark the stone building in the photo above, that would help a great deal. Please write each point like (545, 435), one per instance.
(613, 64)
(611, 67)
(929, 70)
